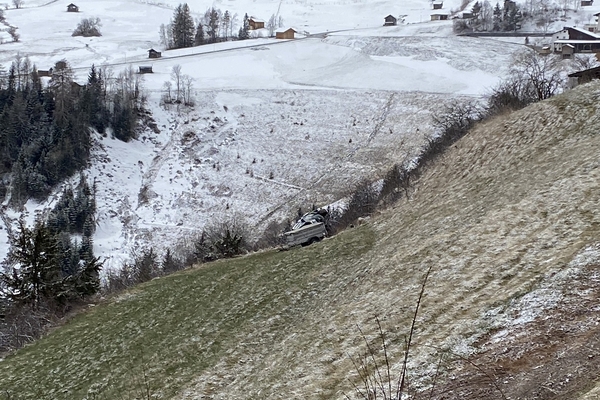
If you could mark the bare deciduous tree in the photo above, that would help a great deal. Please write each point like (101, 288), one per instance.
(272, 25)
(176, 76)
(88, 27)
(188, 98)
(542, 75)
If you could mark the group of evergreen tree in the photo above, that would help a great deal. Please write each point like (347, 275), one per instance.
(507, 18)
(214, 26)
(487, 18)
(45, 267)
(45, 133)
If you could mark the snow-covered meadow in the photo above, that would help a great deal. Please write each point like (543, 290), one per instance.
(277, 124)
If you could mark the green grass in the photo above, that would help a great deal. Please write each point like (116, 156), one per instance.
(160, 335)
(501, 213)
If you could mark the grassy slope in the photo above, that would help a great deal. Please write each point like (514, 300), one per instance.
(503, 211)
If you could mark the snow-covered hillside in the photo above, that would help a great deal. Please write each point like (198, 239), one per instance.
(277, 124)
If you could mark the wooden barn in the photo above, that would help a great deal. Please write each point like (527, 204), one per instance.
(154, 54)
(438, 5)
(285, 34)
(146, 69)
(44, 72)
(586, 3)
(439, 17)
(586, 75)
(390, 20)
(255, 23)
(72, 8)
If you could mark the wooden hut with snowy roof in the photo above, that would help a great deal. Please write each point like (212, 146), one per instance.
(285, 33)
(255, 23)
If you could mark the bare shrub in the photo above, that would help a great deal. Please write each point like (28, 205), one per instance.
(144, 267)
(119, 280)
(20, 324)
(509, 95)
(88, 27)
(362, 202)
(585, 61)
(397, 181)
(12, 31)
(374, 368)
(461, 26)
(451, 124)
(273, 235)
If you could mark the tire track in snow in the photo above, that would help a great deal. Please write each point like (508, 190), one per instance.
(159, 160)
(382, 118)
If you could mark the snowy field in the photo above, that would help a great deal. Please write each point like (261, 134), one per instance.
(277, 124)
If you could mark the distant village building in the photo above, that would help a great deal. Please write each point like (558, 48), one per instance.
(285, 34)
(586, 75)
(586, 3)
(438, 5)
(572, 40)
(439, 17)
(44, 72)
(255, 23)
(146, 69)
(72, 8)
(594, 27)
(390, 20)
(567, 51)
(154, 54)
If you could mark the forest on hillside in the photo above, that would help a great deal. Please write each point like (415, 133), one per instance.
(46, 128)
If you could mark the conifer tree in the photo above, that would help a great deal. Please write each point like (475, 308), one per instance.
(169, 263)
(199, 38)
(226, 21)
(497, 18)
(183, 27)
(213, 17)
(36, 277)
(244, 29)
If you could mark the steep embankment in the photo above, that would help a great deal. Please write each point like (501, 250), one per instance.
(508, 221)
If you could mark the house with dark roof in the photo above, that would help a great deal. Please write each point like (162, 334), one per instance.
(154, 54)
(572, 40)
(390, 20)
(586, 75)
(72, 8)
